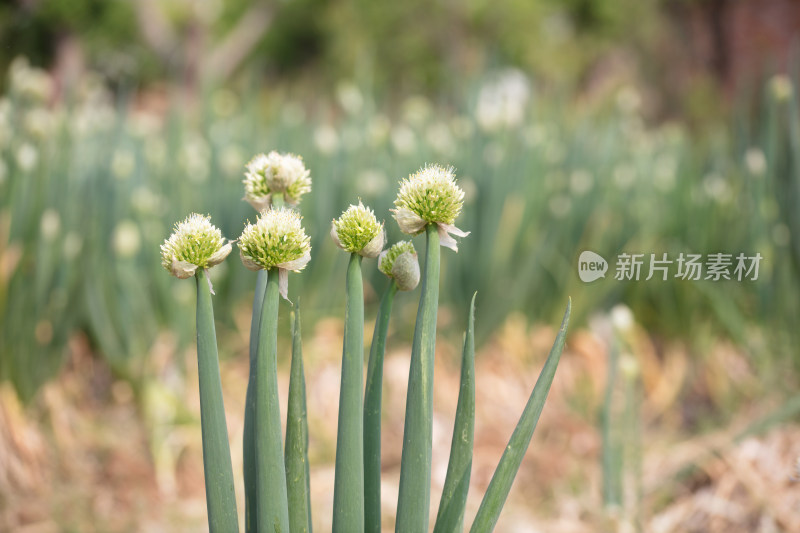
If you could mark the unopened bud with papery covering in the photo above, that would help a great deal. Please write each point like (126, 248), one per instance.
(276, 240)
(275, 173)
(430, 196)
(195, 243)
(358, 231)
(400, 263)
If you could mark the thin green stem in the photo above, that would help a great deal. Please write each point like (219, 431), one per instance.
(348, 489)
(217, 468)
(456, 484)
(503, 478)
(372, 413)
(415, 466)
(272, 508)
(249, 457)
(278, 200)
(612, 474)
(297, 475)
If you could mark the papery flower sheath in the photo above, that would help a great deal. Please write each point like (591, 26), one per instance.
(400, 263)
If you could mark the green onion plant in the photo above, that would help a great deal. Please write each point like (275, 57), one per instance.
(195, 246)
(276, 471)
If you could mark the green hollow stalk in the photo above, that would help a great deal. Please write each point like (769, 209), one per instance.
(272, 506)
(503, 478)
(456, 484)
(217, 468)
(249, 441)
(296, 458)
(413, 505)
(348, 489)
(372, 413)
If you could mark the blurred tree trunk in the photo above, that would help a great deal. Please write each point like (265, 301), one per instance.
(237, 45)
(193, 55)
(157, 31)
(716, 12)
(69, 65)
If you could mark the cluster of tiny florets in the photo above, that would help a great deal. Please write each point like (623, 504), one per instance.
(356, 228)
(276, 173)
(277, 237)
(195, 240)
(432, 194)
(388, 258)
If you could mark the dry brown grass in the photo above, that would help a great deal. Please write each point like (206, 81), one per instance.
(92, 455)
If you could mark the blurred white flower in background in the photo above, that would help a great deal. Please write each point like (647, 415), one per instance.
(27, 156)
(781, 87)
(560, 205)
(349, 97)
(629, 101)
(195, 158)
(664, 173)
(123, 163)
(417, 110)
(622, 318)
(502, 100)
(440, 139)
(633, 128)
(143, 124)
(372, 182)
(50, 224)
(534, 135)
(28, 82)
(580, 182)
(231, 159)
(92, 118)
(624, 176)
(781, 234)
(756, 161)
(378, 130)
(94, 111)
(72, 245)
(126, 239)
(146, 201)
(155, 152)
(39, 123)
(326, 139)
(716, 188)
(462, 126)
(403, 139)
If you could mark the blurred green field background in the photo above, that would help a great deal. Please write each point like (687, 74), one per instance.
(616, 126)
(92, 184)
